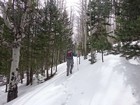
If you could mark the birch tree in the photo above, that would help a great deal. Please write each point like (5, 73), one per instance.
(14, 14)
(83, 26)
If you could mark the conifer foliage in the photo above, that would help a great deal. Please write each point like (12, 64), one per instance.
(99, 12)
(128, 33)
(33, 40)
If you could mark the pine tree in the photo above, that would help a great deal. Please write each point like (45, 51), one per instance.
(98, 12)
(127, 32)
(15, 15)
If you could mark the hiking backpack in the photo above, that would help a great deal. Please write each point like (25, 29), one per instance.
(69, 55)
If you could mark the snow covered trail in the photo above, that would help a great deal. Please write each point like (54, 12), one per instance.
(99, 84)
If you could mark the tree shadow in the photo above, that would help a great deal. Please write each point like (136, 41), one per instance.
(131, 75)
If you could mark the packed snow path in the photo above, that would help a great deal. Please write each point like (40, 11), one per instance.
(113, 82)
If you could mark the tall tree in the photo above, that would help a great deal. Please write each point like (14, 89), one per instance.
(128, 18)
(15, 17)
(98, 13)
(83, 26)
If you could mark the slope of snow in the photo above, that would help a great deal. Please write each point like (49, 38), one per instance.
(113, 82)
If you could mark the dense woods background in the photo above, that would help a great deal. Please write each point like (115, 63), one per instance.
(34, 37)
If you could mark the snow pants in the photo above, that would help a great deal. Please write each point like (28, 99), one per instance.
(70, 63)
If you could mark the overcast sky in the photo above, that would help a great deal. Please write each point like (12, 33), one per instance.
(69, 3)
(74, 5)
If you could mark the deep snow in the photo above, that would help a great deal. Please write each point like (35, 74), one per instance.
(113, 82)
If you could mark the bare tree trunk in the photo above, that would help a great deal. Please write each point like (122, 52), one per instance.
(92, 56)
(84, 26)
(6, 89)
(59, 60)
(47, 64)
(13, 89)
(102, 55)
(18, 35)
(28, 78)
(56, 60)
(28, 61)
(21, 76)
(92, 50)
(78, 55)
(31, 76)
(31, 66)
(15, 59)
(52, 58)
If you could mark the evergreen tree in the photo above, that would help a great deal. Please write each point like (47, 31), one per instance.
(127, 32)
(98, 12)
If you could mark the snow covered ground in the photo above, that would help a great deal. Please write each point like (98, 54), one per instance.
(113, 82)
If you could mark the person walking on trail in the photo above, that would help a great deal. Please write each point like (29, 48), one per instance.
(70, 61)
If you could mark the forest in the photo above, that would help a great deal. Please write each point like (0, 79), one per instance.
(34, 37)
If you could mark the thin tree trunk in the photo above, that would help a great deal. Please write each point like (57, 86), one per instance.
(102, 55)
(47, 64)
(85, 43)
(59, 60)
(31, 76)
(31, 67)
(52, 63)
(79, 59)
(6, 89)
(92, 51)
(56, 61)
(92, 56)
(21, 77)
(28, 78)
(28, 61)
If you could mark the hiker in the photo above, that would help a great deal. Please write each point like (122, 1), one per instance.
(70, 62)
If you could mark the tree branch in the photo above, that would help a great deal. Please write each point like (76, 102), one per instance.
(24, 16)
(4, 13)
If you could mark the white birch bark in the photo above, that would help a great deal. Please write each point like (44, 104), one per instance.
(16, 47)
(15, 60)
(4, 8)
(92, 50)
(84, 20)
(19, 35)
(16, 43)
